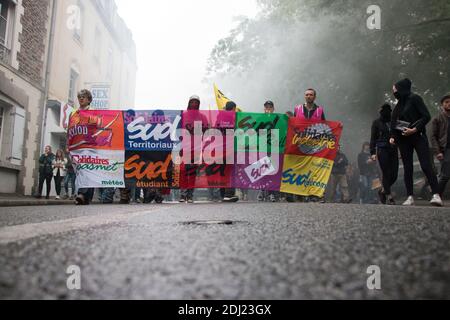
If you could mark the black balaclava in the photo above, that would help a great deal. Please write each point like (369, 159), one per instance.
(386, 113)
(403, 89)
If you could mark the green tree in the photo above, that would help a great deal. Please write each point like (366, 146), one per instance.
(295, 44)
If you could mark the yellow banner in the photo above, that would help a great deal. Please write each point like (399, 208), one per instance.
(306, 176)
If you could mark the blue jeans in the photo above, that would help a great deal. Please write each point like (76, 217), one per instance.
(70, 179)
(365, 187)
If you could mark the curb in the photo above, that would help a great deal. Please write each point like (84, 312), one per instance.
(30, 203)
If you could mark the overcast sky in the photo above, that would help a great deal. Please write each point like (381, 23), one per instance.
(174, 39)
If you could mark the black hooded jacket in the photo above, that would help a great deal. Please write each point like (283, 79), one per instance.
(410, 108)
(381, 130)
(380, 136)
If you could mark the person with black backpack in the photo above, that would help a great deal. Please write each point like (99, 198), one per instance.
(385, 153)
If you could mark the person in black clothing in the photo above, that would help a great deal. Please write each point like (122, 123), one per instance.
(409, 119)
(46, 171)
(385, 153)
(368, 173)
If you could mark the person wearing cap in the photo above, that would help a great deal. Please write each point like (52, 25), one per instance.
(385, 153)
(264, 195)
(409, 119)
(187, 195)
(440, 141)
(310, 110)
(229, 194)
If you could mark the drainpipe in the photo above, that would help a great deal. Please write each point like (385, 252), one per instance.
(47, 78)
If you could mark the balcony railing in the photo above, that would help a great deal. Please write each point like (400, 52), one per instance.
(5, 55)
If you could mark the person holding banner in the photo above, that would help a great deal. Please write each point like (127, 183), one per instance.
(310, 110)
(85, 195)
(193, 115)
(264, 195)
(229, 194)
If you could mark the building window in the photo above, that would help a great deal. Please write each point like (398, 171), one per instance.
(6, 7)
(72, 86)
(78, 30)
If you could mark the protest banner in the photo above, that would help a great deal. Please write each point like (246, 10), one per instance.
(202, 149)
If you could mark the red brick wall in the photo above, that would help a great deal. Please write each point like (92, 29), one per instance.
(33, 39)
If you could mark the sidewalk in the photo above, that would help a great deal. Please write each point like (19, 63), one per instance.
(14, 200)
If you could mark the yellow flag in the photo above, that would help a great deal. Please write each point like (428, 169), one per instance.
(221, 99)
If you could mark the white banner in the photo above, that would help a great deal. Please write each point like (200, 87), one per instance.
(66, 111)
(99, 168)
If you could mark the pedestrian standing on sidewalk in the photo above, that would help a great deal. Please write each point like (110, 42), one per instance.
(408, 132)
(69, 179)
(45, 171)
(59, 171)
(440, 141)
(385, 153)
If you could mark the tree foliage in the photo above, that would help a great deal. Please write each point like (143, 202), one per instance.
(296, 44)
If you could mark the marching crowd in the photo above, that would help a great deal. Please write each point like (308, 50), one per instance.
(396, 134)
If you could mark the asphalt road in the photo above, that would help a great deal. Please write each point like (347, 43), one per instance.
(271, 251)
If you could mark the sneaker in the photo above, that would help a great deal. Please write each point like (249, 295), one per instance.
(190, 200)
(231, 199)
(409, 201)
(182, 200)
(272, 198)
(57, 198)
(382, 196)
(436, 201)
